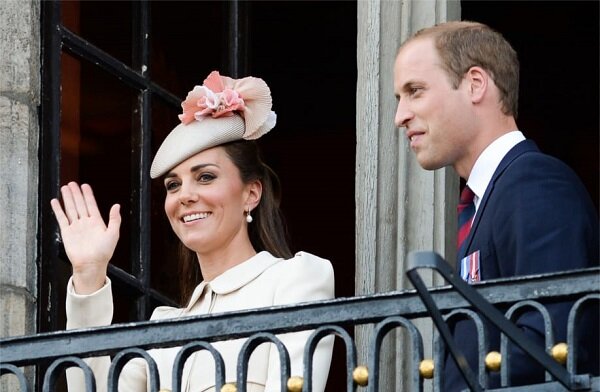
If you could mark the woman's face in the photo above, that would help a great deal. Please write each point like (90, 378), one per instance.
(206, 200)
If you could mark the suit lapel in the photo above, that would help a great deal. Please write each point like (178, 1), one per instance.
(513, 153)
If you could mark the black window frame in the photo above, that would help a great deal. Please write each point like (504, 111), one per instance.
(56, 40)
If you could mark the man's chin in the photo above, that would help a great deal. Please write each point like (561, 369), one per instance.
(428, 164)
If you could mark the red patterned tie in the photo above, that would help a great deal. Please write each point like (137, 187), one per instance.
(466, 211)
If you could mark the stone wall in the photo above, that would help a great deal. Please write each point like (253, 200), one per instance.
(19, 138)
(401, 206)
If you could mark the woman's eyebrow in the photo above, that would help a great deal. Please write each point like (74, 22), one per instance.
(193, 169)
(202, 166)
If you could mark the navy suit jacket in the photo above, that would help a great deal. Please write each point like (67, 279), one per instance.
(535, 217)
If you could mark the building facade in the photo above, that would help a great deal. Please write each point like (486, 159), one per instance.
(397, 207)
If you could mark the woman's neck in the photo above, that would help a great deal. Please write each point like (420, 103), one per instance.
(216, 262)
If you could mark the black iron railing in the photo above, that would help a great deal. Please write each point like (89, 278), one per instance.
(557, 377)
(386, 312)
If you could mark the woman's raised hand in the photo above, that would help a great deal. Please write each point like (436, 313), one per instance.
(89, 242)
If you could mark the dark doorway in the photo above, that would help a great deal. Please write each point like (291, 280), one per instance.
(307, 52)
(557, 43)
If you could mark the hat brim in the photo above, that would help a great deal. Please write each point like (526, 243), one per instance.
(185, 141)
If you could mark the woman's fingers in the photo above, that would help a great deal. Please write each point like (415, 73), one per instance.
(114, 219)
(90, 200)
(69, 203)
(80, 204)
(61, 218)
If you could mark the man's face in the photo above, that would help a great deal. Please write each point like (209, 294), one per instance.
(433, 113)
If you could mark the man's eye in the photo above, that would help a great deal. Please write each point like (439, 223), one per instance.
(415, 90)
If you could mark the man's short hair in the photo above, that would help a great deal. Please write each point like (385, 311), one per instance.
(463, 44)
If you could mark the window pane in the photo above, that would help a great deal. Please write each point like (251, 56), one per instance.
(96, 131)
(70, 15)
(188, 41)
(165, 265)
(105, 24)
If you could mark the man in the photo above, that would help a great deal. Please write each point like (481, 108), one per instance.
(457, 89)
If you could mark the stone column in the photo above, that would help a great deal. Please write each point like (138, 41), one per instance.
(399, 206)
(19, 135)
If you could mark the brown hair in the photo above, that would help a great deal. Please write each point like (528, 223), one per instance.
(462, 45)
(267, 231)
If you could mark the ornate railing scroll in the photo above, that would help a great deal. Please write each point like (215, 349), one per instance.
(247, 349)
(63, 363)
(311, 345)
(11, 369)
(512, 315)
(574, 315)
(121, 360)
(186, 351)
(431, 260)
(416, 349)
(482, 342)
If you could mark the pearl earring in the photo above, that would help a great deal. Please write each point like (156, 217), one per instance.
(249, 217)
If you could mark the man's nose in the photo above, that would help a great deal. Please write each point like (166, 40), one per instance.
(403, 115)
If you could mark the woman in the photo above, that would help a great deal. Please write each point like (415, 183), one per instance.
(222, 203)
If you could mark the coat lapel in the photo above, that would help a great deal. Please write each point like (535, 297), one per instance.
(513, 153)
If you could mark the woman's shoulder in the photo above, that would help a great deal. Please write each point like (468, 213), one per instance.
(304, 261)
(303, 277)
(166, 312)
(303, 268)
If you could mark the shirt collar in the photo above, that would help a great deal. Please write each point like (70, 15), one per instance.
(235, 277)
(488, 162)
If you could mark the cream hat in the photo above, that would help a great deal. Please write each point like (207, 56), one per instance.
(220, 111)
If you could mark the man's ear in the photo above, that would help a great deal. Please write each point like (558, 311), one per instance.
(254, 194)
(478, 83)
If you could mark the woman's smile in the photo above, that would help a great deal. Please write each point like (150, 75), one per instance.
(195, 216)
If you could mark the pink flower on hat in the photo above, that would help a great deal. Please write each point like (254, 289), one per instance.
(212, 98)
(222, 96)
(230, 101)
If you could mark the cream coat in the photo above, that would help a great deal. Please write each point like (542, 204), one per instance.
(261, 281)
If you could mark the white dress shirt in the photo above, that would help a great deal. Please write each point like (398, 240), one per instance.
(488, 162)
